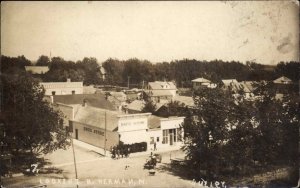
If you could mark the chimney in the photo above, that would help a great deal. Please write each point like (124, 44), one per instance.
(68, 79)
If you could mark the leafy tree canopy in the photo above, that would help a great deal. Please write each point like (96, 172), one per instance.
(31, 125)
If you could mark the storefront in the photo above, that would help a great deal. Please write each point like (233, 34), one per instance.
(132, 128)
(167, 132)
(105, 129)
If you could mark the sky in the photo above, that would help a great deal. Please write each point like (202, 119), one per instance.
(265, 32)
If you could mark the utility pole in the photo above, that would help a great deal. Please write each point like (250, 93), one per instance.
(105, 136)
(128, 78)
(74, 163)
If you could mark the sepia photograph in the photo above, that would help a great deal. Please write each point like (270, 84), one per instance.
(150, 94)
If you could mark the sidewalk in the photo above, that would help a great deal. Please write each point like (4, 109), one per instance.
(108, 154)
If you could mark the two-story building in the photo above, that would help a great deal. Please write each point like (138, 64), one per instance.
(159, 86)
(160, 92)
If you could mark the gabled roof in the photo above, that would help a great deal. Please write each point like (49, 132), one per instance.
(202, 80)
(283, 80)
(161, 85)
(95, 100)
(229, 82)
(233, 83)
(188, 101)
(37, 69)
(118, 97)
(244, 87)
(159, 105)
(136, 105)
(153, 122)
(96, 117)
(250, 85)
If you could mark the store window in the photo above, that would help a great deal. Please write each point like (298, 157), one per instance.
(165, 136)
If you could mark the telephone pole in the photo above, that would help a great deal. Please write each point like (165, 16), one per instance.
(105, 136)
(74, 163)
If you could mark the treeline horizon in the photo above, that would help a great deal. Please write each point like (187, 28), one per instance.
(136, 71)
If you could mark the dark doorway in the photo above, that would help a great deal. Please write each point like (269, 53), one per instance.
(76, 134)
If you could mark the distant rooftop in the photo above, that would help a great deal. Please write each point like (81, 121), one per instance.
(283, 80)
(136, 105)
(201, 80)
(95, 100)
(188, 101)
(161, 85)
(229, 81)
(37, 69)
(96, 117)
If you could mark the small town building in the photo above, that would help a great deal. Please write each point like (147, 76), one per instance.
(135, 106)
(231, 83)
(62, 88)
(202, 82)
(105, 128)
(186, 100)
(133, 94)
(282, 80)
(94, 100)
(37, 69)
(159, 96)
(283, 85)
(118, 99)
(94, 126)
(165, 132)
(235, 86)
(162, 87)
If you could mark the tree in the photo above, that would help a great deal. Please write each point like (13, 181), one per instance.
(32, 127)
(173, 108)
(233, 136)
(114, 71)
(149, 107)
(43, 61)
(206, 129)
(91, 69)
(289, 69)
(13, 63)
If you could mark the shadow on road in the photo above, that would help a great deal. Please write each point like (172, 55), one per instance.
(177, 170)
